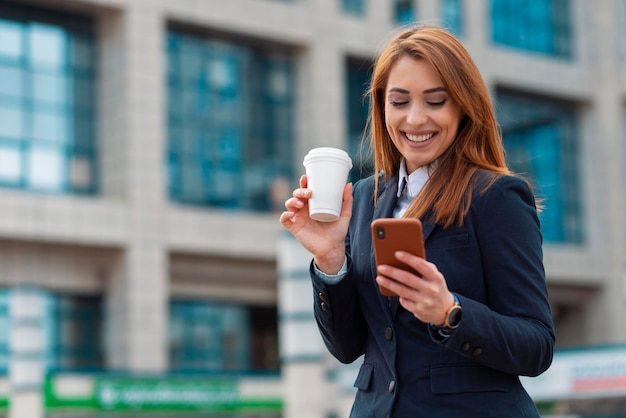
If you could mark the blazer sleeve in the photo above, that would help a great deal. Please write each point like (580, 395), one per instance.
(513, 331)
(336, 305)
(338, 316)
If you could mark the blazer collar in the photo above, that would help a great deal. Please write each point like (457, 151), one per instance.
(387, 197)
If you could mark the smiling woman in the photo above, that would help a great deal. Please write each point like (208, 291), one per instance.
(474, 315)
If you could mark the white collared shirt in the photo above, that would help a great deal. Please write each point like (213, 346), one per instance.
(414, 184)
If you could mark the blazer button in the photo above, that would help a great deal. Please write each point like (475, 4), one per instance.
(388, 333)
(324, 306)
(477, 351)
(392, 386)
(465, 347)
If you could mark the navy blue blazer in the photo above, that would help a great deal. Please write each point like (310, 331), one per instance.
(493, 263)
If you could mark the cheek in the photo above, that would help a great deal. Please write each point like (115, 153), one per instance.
(390, 120)
(388, 123)
(452, 125)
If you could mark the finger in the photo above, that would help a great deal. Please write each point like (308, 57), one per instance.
(403, 275)
(304, 181)
(393, 285)
(287, 218)
(346, 206)
(302, 193)
(426, 269)
(293, 204)
(414, 287)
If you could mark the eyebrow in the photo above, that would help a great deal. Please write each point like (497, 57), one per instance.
(427, 91)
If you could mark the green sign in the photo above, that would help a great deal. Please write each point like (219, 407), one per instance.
(158, 394)
(121, 395)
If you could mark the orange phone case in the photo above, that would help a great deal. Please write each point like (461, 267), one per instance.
(394, 234)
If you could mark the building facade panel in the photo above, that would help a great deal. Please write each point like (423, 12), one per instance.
(147, 147)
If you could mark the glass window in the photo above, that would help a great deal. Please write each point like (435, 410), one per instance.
(75, 333)
(11, 40)
(230, 122)
(45, 169)
(353, 7)
(452, 16)
(541, 143)
(205, 336)
(5, 331)
(12, 126)
(47, 46)
(47, 101)
(10, 164)
(359, 73)
(405, 12)
(11, 83)
(542, 26)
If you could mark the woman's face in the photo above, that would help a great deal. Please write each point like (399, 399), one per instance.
(420, 116)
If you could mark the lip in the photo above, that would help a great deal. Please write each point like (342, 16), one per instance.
(422, 144)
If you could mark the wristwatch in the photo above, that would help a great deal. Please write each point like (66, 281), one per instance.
(453, 315)
(452, 320)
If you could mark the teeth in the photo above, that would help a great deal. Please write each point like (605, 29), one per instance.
(419, 138)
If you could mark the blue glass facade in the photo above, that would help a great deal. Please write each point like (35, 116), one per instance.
(230, 122)
(404, 12)
(5, 331)
(541, 143)
(75, 333)
(452, 16)
(358, 77)
(353, 7)
(47, 102)
(540, 26)
(70, 328)
(208, 337)
(217, 337)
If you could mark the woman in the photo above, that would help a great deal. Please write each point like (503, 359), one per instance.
(455, 340)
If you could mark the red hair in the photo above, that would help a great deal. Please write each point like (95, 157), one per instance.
(478, 144)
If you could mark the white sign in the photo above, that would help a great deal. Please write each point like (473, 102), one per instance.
(584, 373)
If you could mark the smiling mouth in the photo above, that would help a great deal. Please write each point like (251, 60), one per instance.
(419, 138)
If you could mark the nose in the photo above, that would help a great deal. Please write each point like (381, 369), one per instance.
(416, 115)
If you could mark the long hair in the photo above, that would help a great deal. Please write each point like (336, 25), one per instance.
(478, 144)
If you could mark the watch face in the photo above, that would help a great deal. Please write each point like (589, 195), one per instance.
(454, 317)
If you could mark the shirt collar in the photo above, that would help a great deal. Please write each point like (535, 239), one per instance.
(414, 181)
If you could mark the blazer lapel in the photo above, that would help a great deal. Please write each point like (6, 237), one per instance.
(427, 227)
(384, 209)
(387, 198)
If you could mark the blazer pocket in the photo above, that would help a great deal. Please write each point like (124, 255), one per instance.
(364, 377)
(459, 379)
(446, 242)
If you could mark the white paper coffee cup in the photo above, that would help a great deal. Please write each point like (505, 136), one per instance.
(327, 171)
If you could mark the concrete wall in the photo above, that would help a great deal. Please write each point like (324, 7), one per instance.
(138, 248)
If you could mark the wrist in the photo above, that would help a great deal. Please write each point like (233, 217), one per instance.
(330, 264)
(452, 318)
(452, 301)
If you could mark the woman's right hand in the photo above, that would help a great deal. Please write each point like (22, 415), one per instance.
(325, 240)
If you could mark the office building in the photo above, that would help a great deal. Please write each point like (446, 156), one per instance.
(147, 147)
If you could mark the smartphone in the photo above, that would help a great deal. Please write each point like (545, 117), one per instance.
(396, 234)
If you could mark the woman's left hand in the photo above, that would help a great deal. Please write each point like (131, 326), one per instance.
(425, 295)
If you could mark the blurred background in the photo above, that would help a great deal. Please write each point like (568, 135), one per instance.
(146, 150)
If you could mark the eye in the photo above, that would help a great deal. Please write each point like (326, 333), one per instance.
(437, 104)
(396, 103)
